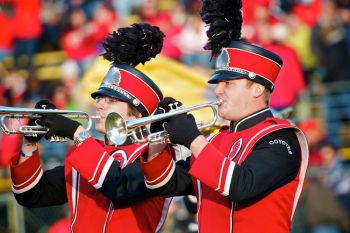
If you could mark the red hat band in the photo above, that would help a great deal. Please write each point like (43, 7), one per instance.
(245, 60)
(129, 84)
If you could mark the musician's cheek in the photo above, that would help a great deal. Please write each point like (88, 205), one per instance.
(100, 126)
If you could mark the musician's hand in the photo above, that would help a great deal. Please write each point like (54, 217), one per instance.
(42, 104)
(59, 125)
(182, 129)
(165, 105)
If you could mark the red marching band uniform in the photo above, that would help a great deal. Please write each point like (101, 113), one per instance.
(212, 172)
(103, 184)
(224, 161)
(84, 172)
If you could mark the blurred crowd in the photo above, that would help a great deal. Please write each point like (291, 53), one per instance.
(311, 36)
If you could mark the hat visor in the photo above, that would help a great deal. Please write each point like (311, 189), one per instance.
(110, 93)
(224, 75)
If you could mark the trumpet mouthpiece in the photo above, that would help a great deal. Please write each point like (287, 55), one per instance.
(219, 102)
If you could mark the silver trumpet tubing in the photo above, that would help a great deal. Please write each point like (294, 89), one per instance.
(33, 113)
(119, 129)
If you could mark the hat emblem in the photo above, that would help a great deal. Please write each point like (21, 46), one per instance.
(223, 59)
(112, 77)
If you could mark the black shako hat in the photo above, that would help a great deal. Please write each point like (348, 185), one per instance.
(244, 60)
(128, 84)
(126, 48)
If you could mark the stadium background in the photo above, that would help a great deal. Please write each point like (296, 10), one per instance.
(50, 49)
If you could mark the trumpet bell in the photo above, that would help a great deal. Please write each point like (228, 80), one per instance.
(116, 128)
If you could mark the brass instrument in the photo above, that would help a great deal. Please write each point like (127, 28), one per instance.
(119, 129)
(33, 113)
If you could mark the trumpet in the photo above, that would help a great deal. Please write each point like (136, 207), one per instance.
(119, 129)
(33, 113)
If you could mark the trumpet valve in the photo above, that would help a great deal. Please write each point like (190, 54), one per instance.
(174, 106)
(31, 134)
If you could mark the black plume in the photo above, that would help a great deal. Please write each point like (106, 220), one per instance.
(133, 45)
(224, 18)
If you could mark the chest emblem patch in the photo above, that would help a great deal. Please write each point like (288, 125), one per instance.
(120, 156)
(235, 149)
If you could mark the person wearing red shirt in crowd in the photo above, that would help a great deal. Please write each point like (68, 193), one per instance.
(167, 21)
(249, 176)
(6, 32)
(308, 11)
(316, 137)
(102, 182)
(78, 41)
(27, 30)
(249, 8)
(287, 90)
(103, 20)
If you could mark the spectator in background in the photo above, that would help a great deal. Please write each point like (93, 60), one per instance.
(192, 39)
(249, 9)
(104, 20)
(170, 22)
(27, 31)
(327, 182)
(323, 212)
(52, 17)
(330, 44)
(78, 41)
(307, 11)
(344, 14)
(299, 40)
(33, 90)
(273, 37)
(337, 174)
(15, 82)
(182, 215)
(124, 8)
(316, 136)
(6, 31)
(70, 80)
(86, 5)
(5, 94)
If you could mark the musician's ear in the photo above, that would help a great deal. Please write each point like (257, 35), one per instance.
(258, 89)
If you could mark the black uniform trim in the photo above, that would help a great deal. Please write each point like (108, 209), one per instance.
(274, 162)
(125, 186)
(250, 120)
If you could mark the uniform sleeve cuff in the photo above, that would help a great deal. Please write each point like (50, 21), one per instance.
(213, 169)
(27, 174)
(158, 170)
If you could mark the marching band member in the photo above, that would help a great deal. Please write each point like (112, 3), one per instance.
(249, 176)
(103, 183)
